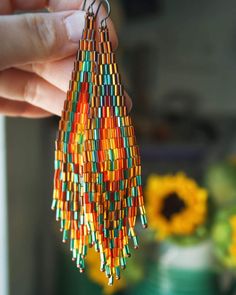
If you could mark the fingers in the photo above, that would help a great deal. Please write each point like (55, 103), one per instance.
(31, 89)
(60, 5)
(21, 109)
(59, 74)
(39, 37)
(8, 6)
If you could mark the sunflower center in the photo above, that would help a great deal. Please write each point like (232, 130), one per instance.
(172, 205)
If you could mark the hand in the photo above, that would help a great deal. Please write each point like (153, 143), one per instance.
(37, 52)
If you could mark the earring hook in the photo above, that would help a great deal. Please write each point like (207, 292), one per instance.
(84, 5)
(90, 9)
(104, 20)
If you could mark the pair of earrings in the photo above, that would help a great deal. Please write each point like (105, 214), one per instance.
(97, 183)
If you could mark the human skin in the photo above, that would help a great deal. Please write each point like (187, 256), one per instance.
(37, 51)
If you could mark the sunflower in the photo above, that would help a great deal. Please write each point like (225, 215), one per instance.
(94, 273)
(176, 205)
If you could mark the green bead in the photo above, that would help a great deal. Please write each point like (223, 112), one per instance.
(65, 235)
(106, 233)
(85, 250)
(111, 244)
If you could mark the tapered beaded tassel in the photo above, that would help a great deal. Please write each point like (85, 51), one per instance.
(68, 198)
(97, 186)
(113, 174)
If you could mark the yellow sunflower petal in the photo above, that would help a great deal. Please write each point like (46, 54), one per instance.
(188, 218)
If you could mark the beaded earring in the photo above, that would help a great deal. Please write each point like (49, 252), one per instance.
(68, 196)
(97, 186)
(113, 174)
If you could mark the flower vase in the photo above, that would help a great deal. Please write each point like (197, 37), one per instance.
(182, 271)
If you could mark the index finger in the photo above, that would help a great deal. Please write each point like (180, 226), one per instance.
(60, 5)
(8, 6)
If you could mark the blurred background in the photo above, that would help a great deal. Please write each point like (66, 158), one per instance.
(178, 63)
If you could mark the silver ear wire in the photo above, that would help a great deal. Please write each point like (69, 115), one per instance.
(84, 5)
(90, 8)
(104, 20)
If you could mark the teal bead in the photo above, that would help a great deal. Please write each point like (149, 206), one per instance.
(56, 164)
(120, 224)
(62, 223)
(111, 244)
(101, 219)
(122, 185)
(86, 187)
(117, 272)
(116, 233)
(143, 219)
(76, 215)
(76, 178)
(100, 178)
(94, 167)
(71, 245)
(112, 206)
(106, 233)
(107, 196)
(139, 180)
(74, 252)
(79, 260)
(106, 69)
(85, 250)
(64, 187)
(116, 196)
(135, 241)
(54, 204)
(122, 261)
(68, 196)
(108, 271)
(65, 235)
(127, 251)
(58, 213)
(99, 112)
(129, 202)
(69, 158)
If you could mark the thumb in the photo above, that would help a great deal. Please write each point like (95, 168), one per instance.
(39, 37)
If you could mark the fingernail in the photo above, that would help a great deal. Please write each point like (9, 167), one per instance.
(74, 25)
